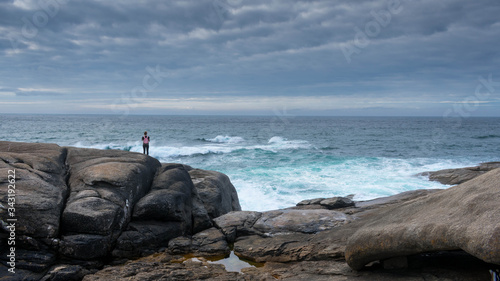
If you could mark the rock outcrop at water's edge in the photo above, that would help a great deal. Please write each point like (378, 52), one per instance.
(460, 175)
(81, 210)
(85, 207)
(464, 217)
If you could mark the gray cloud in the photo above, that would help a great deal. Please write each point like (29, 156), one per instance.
(37, 94)
(249, 48)
(8, 89)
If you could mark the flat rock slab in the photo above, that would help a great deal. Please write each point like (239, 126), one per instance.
(281, 248)
(461, 175)
(303, 221)
(166, 267)
(465, 217)
(326, 245)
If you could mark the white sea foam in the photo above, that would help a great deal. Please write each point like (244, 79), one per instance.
(226, 139)
(277, 164)
(165, 153)
(277, 139)
(278, 143)
(220, 145)
(267, 181)
(367, 178)
(283, 141)
(129, 146)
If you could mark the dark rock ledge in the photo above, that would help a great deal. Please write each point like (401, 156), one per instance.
(460, 175)
(114, 215)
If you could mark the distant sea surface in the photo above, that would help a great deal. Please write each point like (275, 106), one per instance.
(277, 161)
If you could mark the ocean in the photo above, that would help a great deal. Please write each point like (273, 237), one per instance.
(276, 161)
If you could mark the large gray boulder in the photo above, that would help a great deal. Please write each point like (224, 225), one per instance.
(169, 198)
(465, 217)
(216, 192)
(40, 186)
(40, 194)
(104, 187)
(174, 180)
(171, 208)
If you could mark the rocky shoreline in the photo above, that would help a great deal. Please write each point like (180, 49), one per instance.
(86, 214)
(461, 175)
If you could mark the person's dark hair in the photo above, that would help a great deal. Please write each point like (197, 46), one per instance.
(145, 133)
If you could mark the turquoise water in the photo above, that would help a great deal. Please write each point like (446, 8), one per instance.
(277, 161)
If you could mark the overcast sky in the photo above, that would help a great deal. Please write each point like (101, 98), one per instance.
(378, 57)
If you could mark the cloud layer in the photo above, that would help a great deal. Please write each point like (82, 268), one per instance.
(389, 57)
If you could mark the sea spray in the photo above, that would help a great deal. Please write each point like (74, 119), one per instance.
(308, 157)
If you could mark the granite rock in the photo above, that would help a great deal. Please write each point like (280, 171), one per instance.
(215, 191)
(210, 242)
(460, 175)
(465, 217)
(84, 206)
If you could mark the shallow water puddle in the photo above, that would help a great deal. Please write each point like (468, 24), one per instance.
(232, 263)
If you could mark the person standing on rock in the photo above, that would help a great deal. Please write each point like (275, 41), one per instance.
(145, 143)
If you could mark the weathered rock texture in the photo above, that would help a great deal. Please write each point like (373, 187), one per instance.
(166, 267)
(296, 255)
(464, 217)
(215, 191)
(210, 242)
(84, 206)
(461, 175)
(104, 185)
(40, 198)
